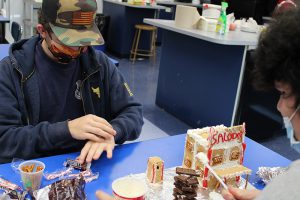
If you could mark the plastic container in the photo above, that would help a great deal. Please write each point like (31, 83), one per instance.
(32, 180)
(211, 11)
(222, 20)
(129, 189)
(208, 25)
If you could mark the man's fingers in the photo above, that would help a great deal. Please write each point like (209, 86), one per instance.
(227, 195)
(92, 137)
(109, 150)
(99, 132)
(92, 152)
(103, 127)
(243, 194)
(84, 152)
(103, 196)
(98, 152)
(101, 120)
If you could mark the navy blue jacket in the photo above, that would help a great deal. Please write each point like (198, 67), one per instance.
(23, 135)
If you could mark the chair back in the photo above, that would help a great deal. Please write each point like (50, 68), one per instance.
(16, 31)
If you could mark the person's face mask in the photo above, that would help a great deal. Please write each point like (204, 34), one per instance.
(290, 130)
(62, 53)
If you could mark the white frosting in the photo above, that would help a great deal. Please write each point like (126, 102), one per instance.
(129, 188)
(203, 158)
(227, 163)
(196, 135)
(215, 196)
(233, 175)
(199, 140)
(206, 140)
(222, 129)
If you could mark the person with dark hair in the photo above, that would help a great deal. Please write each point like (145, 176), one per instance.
(284, 5)
(59, 95)
(278, 66)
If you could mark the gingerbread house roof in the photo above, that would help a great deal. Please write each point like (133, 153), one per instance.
(233, 171)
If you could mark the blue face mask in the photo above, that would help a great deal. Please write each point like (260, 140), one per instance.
(290, 130)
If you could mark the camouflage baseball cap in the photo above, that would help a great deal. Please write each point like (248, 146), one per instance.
(73, 21)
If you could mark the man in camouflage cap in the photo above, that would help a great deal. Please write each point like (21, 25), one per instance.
(72, 21)
(59, 95)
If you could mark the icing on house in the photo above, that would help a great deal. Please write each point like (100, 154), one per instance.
(155, 170)
(220, 147)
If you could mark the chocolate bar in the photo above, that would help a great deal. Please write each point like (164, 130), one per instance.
(182, 197)
(16, 195)
(186, 184)
(75, 164)
(180, 185)
(190, 195)
(177, 191)
(191, 172)
(68, 189)
(189, 189)
(181, 178)
(192, 181)
(185, 198)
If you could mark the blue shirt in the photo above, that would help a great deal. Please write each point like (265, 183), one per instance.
(59, 88)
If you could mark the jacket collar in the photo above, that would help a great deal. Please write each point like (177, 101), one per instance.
(24, 50)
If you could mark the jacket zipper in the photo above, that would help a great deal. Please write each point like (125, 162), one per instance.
(81, 86)
(22, 90)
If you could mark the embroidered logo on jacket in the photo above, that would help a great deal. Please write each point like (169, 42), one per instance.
(96, 91)
(77, 91)
(128, 89)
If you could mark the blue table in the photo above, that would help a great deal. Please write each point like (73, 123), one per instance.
(4, 48)
(132, 158)
(3, 20)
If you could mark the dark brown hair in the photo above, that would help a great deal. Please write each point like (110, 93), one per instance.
(277, 56)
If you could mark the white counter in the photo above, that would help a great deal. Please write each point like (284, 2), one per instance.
(136, 6)
(174, 3)
(231, 38)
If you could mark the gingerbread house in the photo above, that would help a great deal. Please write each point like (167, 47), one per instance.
(155, 170)
(223, 147)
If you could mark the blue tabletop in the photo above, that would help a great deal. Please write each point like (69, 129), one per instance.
(132, 158)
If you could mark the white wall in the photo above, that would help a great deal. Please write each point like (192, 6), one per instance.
(100, 6)
(14, 11)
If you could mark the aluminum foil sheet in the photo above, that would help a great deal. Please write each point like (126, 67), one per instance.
(164, 191)
(267, 174)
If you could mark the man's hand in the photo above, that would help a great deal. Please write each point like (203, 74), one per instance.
(91, 127)
(103, 196)
(239, 194)
(93, 150)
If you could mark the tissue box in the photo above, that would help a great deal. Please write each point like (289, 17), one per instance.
(211, 11)
(206, 24)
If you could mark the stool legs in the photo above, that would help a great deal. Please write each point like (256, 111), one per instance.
(152, 46)
(136, 40)
(136, 44)
(133, 45)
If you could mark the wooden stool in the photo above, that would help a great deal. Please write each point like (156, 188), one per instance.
(142, 52)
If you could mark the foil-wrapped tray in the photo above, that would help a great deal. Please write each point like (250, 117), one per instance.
(164, 191)
(267, 174)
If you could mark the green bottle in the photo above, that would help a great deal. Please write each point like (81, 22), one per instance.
(222, 21)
